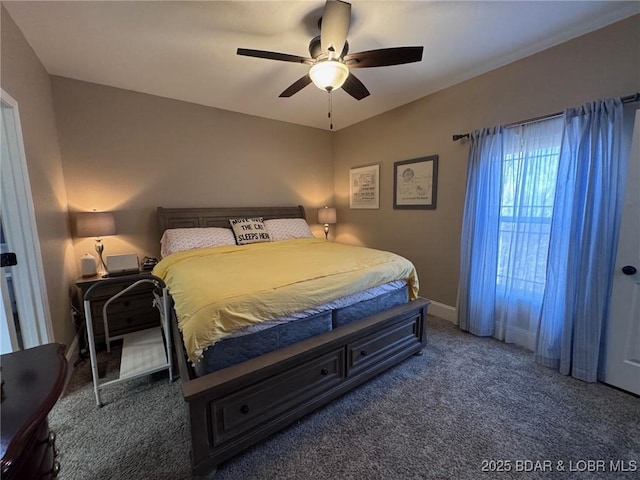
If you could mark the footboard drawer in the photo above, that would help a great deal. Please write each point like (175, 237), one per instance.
(374, 349)
(255, 405)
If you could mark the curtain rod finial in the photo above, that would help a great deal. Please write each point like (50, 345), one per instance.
(460, 136)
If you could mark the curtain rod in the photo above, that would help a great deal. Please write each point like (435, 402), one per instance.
(635, 97)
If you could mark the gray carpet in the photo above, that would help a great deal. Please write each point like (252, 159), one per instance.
(465, 402)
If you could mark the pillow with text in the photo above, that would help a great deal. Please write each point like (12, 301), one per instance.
(249, 230)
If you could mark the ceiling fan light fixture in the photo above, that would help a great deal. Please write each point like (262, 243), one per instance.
(329, 75)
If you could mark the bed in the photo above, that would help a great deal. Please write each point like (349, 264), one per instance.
(251, 382)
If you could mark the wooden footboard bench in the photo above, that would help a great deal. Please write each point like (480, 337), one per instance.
(232, 409)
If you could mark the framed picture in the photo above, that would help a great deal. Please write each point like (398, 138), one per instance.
(415, 183)
(364, 187)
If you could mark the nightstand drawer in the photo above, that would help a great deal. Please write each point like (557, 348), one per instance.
(123, 304)
(126, 322)
(107, 291)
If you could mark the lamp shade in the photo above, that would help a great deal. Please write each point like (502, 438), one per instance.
(95, 224)
(329, 75)
(327, 215)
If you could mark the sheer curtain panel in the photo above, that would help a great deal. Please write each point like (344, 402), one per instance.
(530, 166)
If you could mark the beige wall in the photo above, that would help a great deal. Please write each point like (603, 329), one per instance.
(604, 63)
(25, 79)
(130, 152)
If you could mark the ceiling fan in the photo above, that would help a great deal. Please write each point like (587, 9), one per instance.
(330, 61)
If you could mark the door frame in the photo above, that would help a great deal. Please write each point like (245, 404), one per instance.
(21, 231)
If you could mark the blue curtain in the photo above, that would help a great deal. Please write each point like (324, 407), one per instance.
(583, 243)
(511, 182)
(539, 235)
(480, 230)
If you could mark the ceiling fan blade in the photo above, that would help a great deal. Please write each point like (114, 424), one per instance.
(384, 57)
(335, 26)
(284, 57)
(354, 87)
(296, 86)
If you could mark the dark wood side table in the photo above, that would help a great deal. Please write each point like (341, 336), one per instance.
(33, 380)
(133, 311)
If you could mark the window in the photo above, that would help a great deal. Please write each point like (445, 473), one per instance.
(528, 183)
(541, 215)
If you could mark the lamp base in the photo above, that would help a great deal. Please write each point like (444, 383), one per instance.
(102, 267)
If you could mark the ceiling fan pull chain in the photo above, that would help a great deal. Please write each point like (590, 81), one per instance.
(330, 112)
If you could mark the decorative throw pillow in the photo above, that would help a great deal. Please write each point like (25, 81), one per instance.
(288, 228)
(180, 239)
(249, 230)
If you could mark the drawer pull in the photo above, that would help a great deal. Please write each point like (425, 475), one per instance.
(56, 469)
(52, 438)
(364, 353)
(244, 409)
(324, 371)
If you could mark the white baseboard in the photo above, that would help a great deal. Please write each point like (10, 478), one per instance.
(72, 351)
(446, 312)
(71, 354)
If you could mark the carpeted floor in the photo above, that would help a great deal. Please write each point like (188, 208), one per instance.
(468, 408)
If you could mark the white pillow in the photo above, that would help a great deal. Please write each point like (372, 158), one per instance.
(249, 230)
(180, 239)
(288, 228)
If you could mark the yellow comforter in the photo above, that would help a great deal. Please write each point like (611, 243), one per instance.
(219, 290)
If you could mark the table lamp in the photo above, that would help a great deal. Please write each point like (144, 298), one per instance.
(96, 224)
(327, 215)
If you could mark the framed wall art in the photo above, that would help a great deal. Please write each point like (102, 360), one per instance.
(364, 187)
(415, 183)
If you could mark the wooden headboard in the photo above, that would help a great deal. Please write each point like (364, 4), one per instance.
(219, 217)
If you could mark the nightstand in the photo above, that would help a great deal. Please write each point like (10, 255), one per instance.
(132, 303)
(131, 312)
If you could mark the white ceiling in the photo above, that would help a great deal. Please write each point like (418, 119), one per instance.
(187, 50)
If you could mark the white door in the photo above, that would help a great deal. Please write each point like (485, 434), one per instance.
(622, 367)
(20, 234)
(9, 340)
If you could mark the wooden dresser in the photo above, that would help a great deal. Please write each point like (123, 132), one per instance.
(33, 380)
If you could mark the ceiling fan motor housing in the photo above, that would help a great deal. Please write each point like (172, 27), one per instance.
(315, 48)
